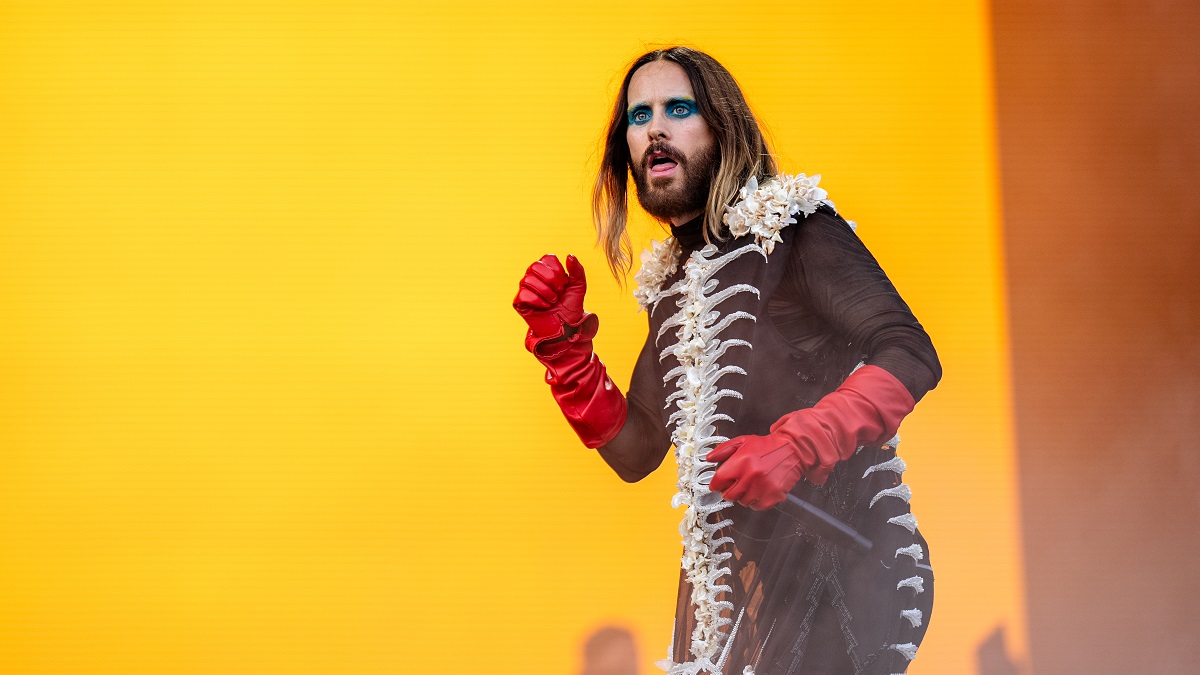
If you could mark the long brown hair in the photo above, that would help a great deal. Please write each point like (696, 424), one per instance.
(742, 151)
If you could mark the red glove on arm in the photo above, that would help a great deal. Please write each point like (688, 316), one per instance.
(759, 471)
(560, 335)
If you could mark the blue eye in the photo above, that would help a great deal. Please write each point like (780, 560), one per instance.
(639, 116)
(681, 109)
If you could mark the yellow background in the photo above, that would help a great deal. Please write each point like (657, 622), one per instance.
(264, 407)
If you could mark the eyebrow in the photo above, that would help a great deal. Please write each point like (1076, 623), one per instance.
(673, 99)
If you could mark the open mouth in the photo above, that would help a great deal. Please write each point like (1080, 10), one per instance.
(662, 164)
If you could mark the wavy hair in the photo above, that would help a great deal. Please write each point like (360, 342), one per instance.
(741, 149)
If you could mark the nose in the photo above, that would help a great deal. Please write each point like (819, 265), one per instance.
(657, 128)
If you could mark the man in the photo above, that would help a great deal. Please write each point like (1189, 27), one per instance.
(779, 360)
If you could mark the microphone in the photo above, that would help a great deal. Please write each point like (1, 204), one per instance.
(820, 522)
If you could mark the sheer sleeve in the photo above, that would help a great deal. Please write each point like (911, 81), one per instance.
(643, 442)
(848, 290)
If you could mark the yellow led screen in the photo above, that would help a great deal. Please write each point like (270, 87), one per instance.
(265, 407)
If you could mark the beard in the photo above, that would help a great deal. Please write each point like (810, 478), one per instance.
(680, 195)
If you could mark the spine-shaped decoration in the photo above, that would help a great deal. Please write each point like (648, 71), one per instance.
(696, 380)
(761, 211)
(909, 522)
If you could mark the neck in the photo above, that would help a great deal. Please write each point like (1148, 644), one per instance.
(687, 217)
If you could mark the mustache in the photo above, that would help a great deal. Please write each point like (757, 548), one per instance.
(665, 148)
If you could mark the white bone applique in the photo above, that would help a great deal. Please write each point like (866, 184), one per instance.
(901, 491)
(908, 521)
(762, 211)
(894, 464)
(915, 552)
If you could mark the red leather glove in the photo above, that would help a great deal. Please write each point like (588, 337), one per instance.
(759, 471)
(550, 299)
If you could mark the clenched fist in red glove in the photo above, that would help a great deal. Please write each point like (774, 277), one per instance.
(550, 299)
(759, 471)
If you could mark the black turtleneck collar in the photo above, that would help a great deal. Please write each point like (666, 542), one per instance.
(691, 233)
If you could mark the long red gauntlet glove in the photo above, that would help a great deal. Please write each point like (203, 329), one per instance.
(560, 335)
(759, 471)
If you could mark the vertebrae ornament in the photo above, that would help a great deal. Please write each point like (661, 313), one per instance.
(762, 211)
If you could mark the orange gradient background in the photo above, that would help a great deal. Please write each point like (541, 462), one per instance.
(265, 407)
